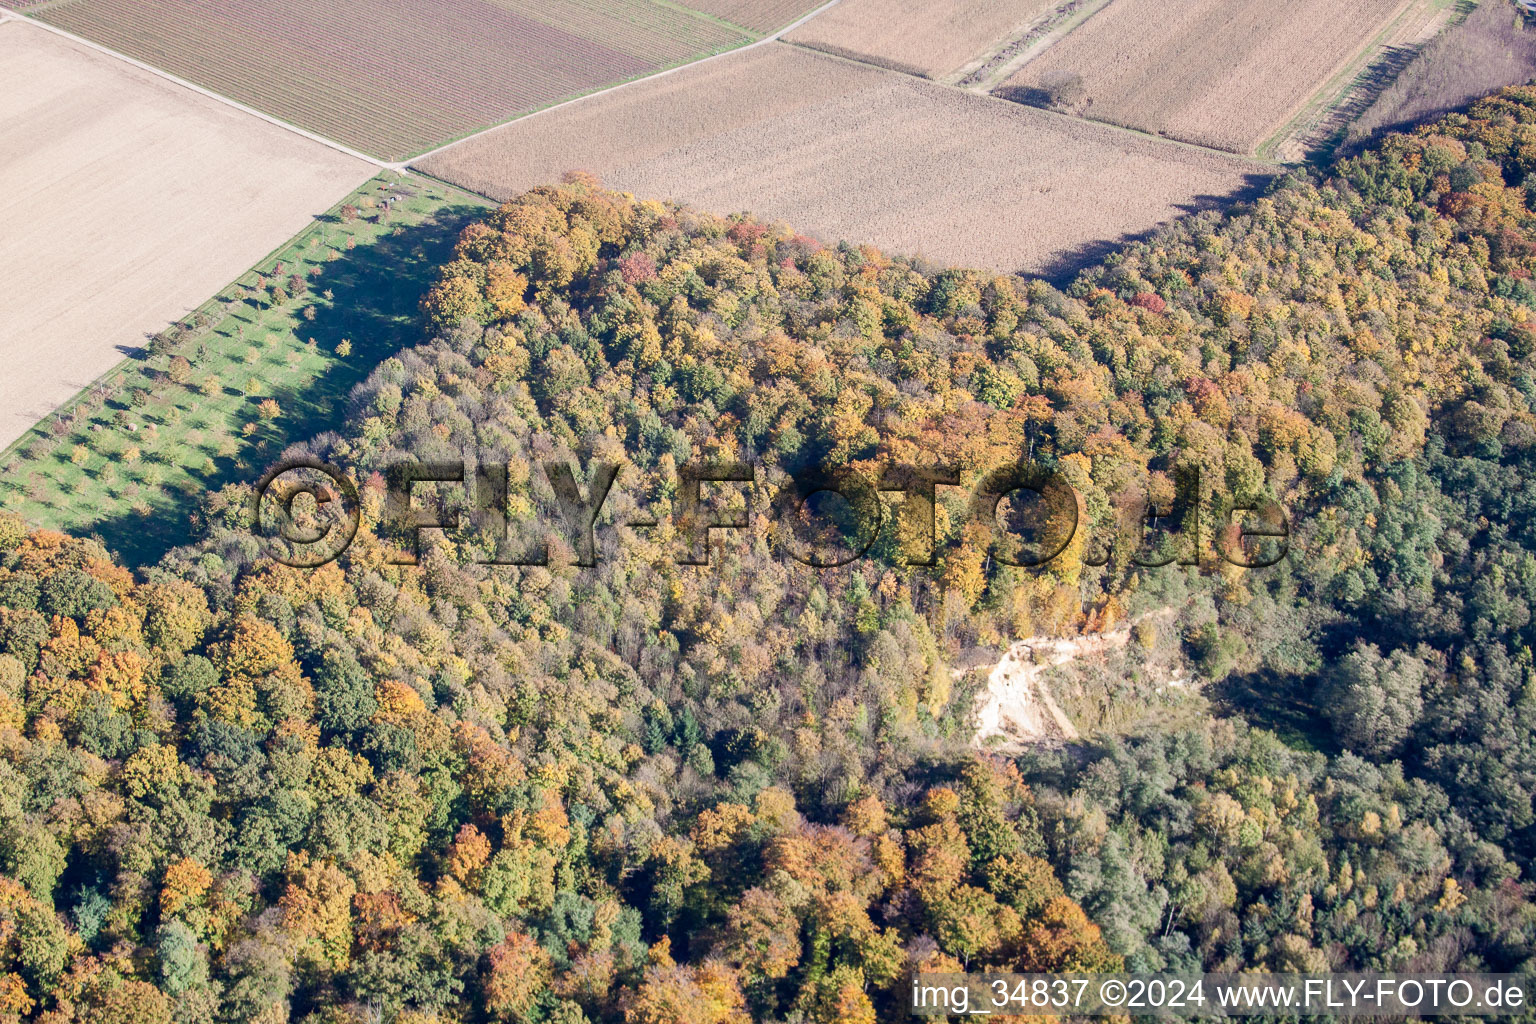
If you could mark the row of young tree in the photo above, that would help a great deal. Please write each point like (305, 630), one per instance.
(647, 791)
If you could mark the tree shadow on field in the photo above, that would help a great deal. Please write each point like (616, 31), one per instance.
(376, 291)
(1374, 81)
(1063, 266)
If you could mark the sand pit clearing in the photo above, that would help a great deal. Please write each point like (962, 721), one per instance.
(1017, 707)
(127, 201)
(931, 38)
(1223, 73)
(848, 151)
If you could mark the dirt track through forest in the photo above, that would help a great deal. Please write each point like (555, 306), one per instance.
(1018, 705)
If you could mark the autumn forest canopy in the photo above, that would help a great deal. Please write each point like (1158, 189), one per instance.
(655, 793)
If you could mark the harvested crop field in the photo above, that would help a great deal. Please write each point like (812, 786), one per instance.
(931, 38)
(127, 201)
(396, 79)
(1222, 73)
(759, 15)
(846, 150)
(1324, 122)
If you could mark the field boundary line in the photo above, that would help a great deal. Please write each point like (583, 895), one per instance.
(406, 164)
(418, 172)
(372, 161)
(771, 38)
(710, 19)
(1339, 81)
(1164, 140)
(448, 185)
(1052, 29)
(130, 363)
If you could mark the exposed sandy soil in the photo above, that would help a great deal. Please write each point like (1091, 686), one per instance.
(1223, 73)
(845, 150)
(1018, 708)
(1017, 703)
(126, 202)
(925, 37)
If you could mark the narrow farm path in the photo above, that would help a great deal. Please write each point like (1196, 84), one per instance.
(993, 75)
(1360, 78)
(395, 165)
(772, 38)
(986, 74)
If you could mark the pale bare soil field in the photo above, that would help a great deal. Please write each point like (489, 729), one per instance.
(931, 38)
(1222, 73)
(395, 79)
(126, 201)
(846, 150)
(1489, 49)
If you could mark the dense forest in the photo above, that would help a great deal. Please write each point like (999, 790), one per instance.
(652, 792)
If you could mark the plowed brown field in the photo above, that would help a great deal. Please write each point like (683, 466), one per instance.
(759, 15)
(126, 202)
(851, 151)
(925, 37)
(1223, 73)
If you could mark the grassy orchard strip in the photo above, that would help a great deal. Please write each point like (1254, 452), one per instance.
(129, 201)
(76, 471)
